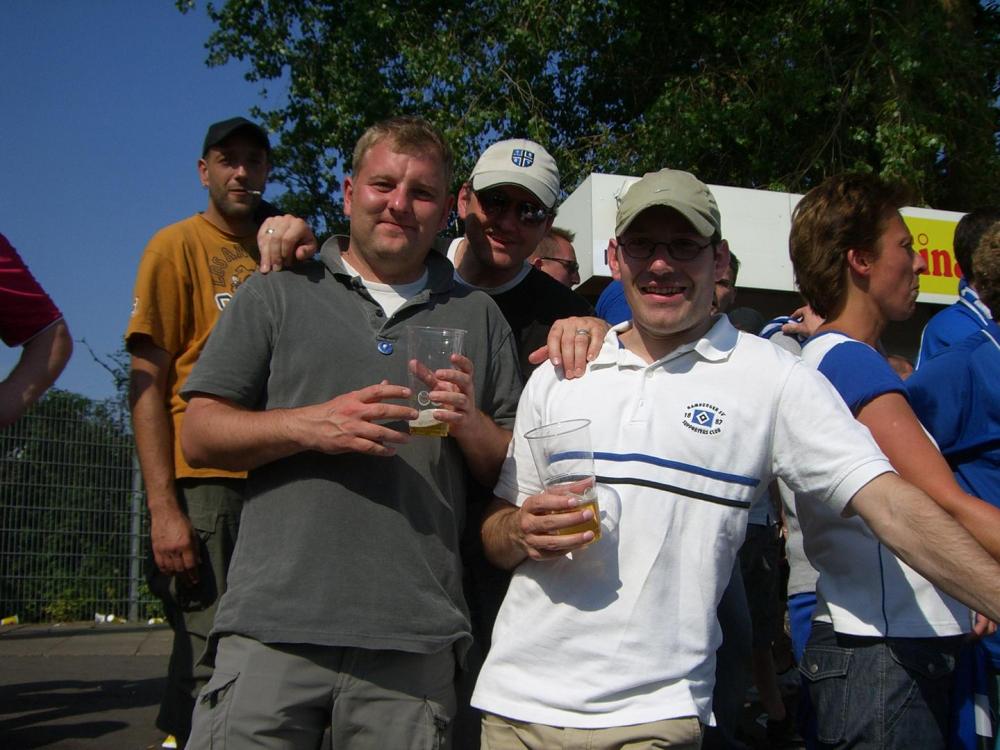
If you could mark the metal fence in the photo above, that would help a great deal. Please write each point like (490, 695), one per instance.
(73, 522)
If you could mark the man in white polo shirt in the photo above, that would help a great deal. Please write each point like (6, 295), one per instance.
(611, 643)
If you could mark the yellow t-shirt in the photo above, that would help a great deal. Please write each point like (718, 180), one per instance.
(188, 273)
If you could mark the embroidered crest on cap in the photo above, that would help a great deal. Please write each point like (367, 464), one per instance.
(522, 157)
(704, 418)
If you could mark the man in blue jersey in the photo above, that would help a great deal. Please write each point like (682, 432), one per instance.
(956, 395)
(969, 314)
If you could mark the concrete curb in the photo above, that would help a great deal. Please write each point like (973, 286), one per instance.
(85, 639)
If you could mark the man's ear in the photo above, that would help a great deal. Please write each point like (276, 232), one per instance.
(348, 195)
(203, 172)
(616, 272)
(464, 196)
(536, 262)
(721, 259)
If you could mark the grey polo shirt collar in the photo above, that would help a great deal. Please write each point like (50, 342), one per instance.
(440, 272)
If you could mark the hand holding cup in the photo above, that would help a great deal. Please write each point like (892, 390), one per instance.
(429, 350)
(565, 464)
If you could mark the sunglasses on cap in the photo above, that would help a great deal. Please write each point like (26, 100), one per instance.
(495, 203)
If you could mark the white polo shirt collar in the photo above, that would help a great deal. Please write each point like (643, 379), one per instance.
(715, 346)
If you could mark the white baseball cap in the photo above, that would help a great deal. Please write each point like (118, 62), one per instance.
(518, 162)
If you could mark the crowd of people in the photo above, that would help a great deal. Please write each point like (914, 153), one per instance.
(324, 570)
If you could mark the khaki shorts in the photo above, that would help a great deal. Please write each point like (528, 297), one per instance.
(500, 733)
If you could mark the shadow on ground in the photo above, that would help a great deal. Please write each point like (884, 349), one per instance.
(42, 713)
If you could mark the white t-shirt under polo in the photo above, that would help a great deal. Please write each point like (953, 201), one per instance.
(625, 631)
(863, 588)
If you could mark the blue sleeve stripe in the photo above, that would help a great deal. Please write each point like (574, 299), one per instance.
(774, 326)
(860, 374)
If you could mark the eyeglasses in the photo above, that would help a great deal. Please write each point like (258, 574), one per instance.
(570, 265)
(495, 202)
(642, 248)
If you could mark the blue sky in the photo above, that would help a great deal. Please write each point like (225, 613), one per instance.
(103, 108)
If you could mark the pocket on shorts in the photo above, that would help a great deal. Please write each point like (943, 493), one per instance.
(825, 670)
(438, 726)
(204, 518)
(214, 703)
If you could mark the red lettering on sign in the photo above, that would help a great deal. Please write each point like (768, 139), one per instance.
(939, 263)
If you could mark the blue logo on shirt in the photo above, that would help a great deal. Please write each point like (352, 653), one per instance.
(706, 419)
(702, 417)
(522, 157)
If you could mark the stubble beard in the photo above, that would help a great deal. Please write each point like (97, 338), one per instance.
(230, 209)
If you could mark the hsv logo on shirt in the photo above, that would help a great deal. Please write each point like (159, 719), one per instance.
(704, 418)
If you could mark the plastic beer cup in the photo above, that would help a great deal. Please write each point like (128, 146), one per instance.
(427, 350)
(565, 464)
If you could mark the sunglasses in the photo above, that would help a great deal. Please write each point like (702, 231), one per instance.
(570, 265)
(495, 203)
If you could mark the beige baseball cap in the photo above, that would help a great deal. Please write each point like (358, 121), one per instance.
(681, 191)
(518, 162)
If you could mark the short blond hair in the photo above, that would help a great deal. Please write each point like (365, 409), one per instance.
(408, 134)
(566, 234)
(548, 243)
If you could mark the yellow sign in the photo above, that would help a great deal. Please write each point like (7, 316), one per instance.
(934, 240)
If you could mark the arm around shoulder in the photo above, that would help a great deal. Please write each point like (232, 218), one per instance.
(930, 541)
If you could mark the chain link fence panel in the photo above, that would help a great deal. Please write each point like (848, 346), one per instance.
(73, 520)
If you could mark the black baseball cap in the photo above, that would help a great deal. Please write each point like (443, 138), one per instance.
(219, 131)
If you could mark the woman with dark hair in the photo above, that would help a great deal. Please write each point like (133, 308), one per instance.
(884, 640)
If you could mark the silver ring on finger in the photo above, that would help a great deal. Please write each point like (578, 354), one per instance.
(583, 332)
(269, 230)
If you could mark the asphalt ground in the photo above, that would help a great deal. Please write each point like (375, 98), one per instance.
(82, 685)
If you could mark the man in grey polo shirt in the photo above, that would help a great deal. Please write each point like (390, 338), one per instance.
(345, 600)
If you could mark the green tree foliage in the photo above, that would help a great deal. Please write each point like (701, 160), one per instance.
(766, 94)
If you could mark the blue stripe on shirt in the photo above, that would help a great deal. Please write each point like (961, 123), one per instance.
(668, 464)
